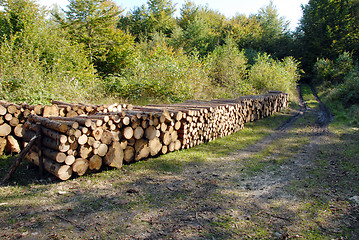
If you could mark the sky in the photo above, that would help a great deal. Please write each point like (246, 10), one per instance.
(289, 9)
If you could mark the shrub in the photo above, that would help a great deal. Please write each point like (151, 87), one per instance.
(160, 74)
(36, 63)
(269, 74)
(228, 70)
(342, 75)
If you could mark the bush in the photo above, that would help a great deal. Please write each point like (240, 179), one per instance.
(269, 74)
(160, 74)
(228, 70)
(342, 76)
(37, 64)
(329, 72)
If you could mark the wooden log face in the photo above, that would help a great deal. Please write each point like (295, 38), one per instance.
(151, 132)
(114, 156)
(80, 166)
(155, 146)
(128, 132)
(5, 130)
(95, 162)
(128, 154)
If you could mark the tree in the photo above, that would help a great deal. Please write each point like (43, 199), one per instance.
(275, 38)
(36, 63)
(328, 28)
(202, 29)
(146, 20)
(93, 23)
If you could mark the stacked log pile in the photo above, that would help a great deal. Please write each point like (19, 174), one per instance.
(78, 139)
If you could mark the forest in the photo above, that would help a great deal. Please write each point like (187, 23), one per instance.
(93, 52)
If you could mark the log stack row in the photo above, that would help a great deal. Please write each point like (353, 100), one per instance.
(13, 116)
(78, 139)
(84, 144)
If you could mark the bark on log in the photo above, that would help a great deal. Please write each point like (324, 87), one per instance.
(54, 125)
(59, 157)
(63, 172)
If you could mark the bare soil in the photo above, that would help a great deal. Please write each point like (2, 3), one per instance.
(289, 185)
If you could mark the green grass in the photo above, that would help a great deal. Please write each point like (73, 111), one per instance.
(308, 97)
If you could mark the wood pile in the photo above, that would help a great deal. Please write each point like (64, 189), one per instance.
(78, 139)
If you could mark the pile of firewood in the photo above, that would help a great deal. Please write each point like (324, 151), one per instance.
(78, 138)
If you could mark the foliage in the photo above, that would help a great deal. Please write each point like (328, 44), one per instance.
(228, 69)
(143, 21)
(36, 63)
(327, 29)
(160, 74)
(154, 57)
(341, 76)
(93, 23)
(268, 74)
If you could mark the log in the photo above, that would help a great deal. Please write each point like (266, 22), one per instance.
(3, 143)
(59, 157)
(123, 144)
(50, 111)
(129, 154)
(63, 172)
(95, 162)
(107, 137)
(102, 150)
(97, 133)
(5, 130)
(155, 146)
(79, 120)
(114, 156)
(166, 138)
(151, 132)
(50, 143)
(19, 130)
(12, 145)
(178, 145)
(164, 149)
(82, 139)
(70, 159)
(80, 166)
(3, 110)
(85, 151)
(128, 132)
(138, 132)
(54, 125)
(14, 122)
(12, 108)
(142, 149)
(171, 147)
